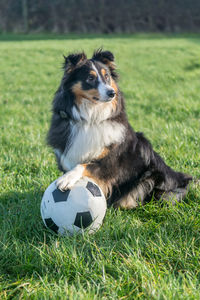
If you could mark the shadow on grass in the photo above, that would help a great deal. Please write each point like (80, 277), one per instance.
(20, 213)
(192, 66)
(26, 247)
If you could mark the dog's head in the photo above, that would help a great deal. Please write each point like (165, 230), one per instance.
(91, 79)
(88, 88)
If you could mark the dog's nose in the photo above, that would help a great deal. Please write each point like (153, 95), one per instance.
(111, 93)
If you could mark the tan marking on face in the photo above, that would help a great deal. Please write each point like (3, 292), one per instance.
(114, 101)
(114, 86)
(93, 73)
(92, 95)
(103, 72)
(78, 92)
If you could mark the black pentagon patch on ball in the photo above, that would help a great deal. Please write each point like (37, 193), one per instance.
(50, 224)
(93, 188)
(59, 196)
(83, 219)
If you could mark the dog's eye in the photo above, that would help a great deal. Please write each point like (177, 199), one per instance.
(91, 77)
(106, 76)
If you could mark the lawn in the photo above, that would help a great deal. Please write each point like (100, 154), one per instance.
(152, 252)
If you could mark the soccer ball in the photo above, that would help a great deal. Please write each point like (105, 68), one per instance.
(81, 208)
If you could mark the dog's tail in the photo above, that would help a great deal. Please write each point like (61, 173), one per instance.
(173, 196)
(171, 185)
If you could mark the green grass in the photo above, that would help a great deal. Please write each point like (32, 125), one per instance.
(152, 252)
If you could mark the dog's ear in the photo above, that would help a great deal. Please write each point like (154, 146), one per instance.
(107, 58)
(73, 60)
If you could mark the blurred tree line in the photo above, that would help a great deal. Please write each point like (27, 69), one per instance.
(99, 16)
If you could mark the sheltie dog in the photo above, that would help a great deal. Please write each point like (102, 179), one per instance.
(91, 137)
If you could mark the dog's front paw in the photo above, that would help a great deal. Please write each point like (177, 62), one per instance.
(68, 180)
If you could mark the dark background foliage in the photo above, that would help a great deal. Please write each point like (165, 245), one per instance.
(99, 16)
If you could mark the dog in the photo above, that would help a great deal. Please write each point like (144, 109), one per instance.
(91, 137)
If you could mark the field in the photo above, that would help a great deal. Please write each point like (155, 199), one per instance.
(152, 252)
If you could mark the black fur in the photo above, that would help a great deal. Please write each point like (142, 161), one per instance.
(72, 60)
(129, 167)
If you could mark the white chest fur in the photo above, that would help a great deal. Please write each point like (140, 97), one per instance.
(89, 140)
